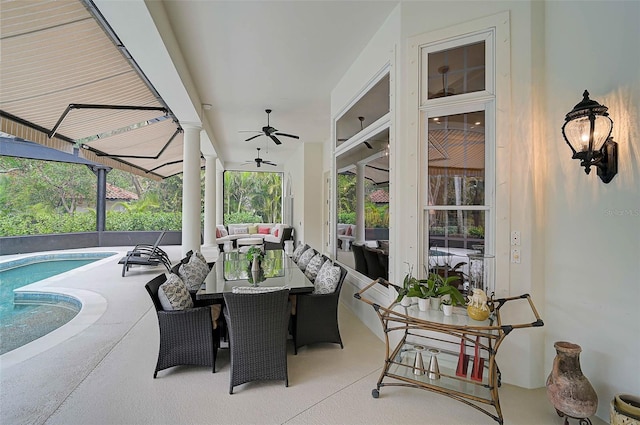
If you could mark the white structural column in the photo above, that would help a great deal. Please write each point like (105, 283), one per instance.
(191, 188)
(210, 200)
(360, 233)
(219, 193)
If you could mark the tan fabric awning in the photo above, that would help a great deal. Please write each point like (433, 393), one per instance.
(64, 80)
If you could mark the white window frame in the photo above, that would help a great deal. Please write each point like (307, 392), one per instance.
(496, 97)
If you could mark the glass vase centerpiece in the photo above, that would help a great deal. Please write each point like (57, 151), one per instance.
(255, 255)
(481, 273)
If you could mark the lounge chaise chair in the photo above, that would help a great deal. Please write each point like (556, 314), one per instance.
(146, 255)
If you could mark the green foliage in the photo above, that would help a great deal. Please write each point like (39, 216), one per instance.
(242, 217)
(43, 197)
(476, 232)
(55, 186)
(254, 252)
(130, 221)
(252, 197)
(434, 286)
(376, 215)
(347, 217)
(42, 223)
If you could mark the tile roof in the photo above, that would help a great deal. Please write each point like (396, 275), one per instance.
(379, 196)
(115, 192)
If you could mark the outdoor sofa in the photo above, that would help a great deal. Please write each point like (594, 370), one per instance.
(273, 234)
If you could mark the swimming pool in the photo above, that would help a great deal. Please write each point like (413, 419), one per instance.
(30, 313)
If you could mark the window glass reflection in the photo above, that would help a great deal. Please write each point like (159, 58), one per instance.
(456, 152)
(456, 71)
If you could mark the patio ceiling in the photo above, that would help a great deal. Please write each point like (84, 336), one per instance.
(66, 82)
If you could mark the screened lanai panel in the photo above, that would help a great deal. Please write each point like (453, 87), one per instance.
(55, 54)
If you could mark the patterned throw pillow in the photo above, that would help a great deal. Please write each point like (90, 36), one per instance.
(241, 231)
(327, 280)
(298, 252)
(306, 256)
(174, 295)
(252, 229)
(193, 273)
(314, 267)
(201, 258)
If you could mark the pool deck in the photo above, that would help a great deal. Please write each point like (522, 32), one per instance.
(100, 371)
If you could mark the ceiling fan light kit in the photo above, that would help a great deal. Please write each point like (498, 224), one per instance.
(272, 132)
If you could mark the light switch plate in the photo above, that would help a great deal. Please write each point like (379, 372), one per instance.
(515, 238)
(515, 255)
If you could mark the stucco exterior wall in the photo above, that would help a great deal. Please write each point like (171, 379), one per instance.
(580, 238)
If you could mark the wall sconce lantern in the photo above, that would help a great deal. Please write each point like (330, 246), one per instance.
(588, 127)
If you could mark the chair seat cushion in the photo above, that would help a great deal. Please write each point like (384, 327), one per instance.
(215, 314)
(314, 267)
(174, 295)
(327, 280)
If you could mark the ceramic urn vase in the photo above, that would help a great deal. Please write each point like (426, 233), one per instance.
(568, 390)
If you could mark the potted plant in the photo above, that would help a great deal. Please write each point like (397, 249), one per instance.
(447, 306)
(440, 286)
(255, 256)
(407, 291)
(421, 292)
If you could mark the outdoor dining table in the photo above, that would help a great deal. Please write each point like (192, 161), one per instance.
(234, 270)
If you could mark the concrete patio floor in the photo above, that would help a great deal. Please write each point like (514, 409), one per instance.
(103, 374)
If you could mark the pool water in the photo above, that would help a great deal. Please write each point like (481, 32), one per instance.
(23, 323)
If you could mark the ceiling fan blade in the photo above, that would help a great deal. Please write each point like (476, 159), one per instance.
(253, 137)
(269, 163)
(367, 144)
(288, 135)
(275, 139)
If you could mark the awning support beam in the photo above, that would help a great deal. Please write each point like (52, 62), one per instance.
(73, 106)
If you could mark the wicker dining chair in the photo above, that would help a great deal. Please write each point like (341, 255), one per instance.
(360, 261)
(187, 337)
(316, 318)
(257, 325)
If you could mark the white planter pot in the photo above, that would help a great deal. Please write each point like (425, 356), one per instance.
(423, 304)
(405, 301)
(447, 309)
(435, 303)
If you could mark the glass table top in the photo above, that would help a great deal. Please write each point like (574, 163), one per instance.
(233, 269)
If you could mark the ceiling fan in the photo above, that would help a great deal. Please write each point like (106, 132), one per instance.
(366, 143)
(272, 132)
(446, 90)
(259, 161)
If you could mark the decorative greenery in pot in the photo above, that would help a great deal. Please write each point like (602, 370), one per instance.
(408, 289)
(443, 286)
(255, 252)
